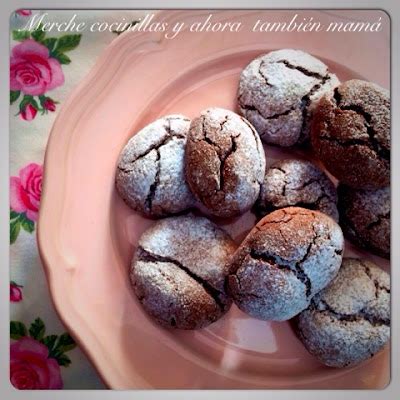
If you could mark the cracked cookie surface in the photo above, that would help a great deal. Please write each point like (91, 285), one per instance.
(349, 320)
(150, 172)
(365, 218)
(351, 134)
(224, 162)
(297, 183)
(278, 92)
(179, 269)
(288, 257)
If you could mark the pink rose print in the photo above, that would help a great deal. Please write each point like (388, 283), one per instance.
(15, 292)
(35, 68)
(25, 192)
(26, 189)
(28, 113)
(31, 367)
(49, 105)
(36, 358)
(32, 70)
(24, 13)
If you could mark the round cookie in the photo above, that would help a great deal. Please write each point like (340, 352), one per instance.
(150, 173)
(225, 162)
(288, 257)
(297, 183)
(278, 92)
(351, 134)
(365, 218)
(349, 321)
(179, 269)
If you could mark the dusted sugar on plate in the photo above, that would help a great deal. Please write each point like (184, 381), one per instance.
(348, 321)
(179, 269)
(297, 183)
(150, 172)
(224, 162)
(278, 92)
(288, 257)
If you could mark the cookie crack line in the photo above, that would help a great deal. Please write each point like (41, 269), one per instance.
(241, 292)
(378, 221)
(299, 265)
(153, 187)
(361, 315)
(312, 205)
(285, 182)
(298, 188)
(218, 151)
(376, 283)
(205, 137)
(262, 74)
(145, 255)
(306, 100)
(222, 158)
(303, 70)
(168, 128)
(222, 161)
(373, 143)
(282, 220)
(156, 147)
(337, 97)
(250, 107)
(304, 104)
(296, 270)
(278, 169)
(282, 114)
(222, 124)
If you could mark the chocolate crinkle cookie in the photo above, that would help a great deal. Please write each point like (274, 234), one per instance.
(349, 321)
(297, 183)
(278, 92)
(150, 173)
(179, 269)
(288, 257)
(365, 218)
(225, 162)
(351, 134)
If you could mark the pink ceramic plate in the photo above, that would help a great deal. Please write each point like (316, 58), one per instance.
(87, 235)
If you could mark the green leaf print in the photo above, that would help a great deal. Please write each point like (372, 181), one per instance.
(17, 330)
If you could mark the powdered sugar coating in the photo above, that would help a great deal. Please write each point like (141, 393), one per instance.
(150, 173)
(289, 256)
(278, 92)
(179, 269)
(349, 321)
(297, 183)
(224, 162)
(365, 218)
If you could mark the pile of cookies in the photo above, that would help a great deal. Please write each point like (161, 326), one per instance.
(187, 271)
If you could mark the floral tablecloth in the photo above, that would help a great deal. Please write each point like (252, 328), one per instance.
(44, 67)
